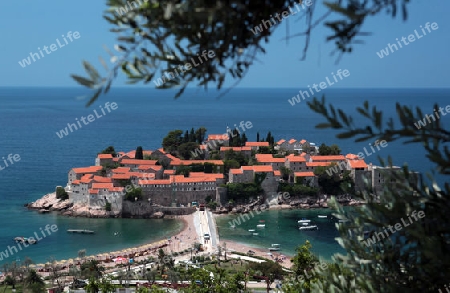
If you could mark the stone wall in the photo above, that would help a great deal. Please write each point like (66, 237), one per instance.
(142, 209)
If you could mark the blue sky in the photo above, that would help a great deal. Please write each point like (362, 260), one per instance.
(28, 24)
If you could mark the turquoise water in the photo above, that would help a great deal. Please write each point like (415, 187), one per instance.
(30, 118)
(64, 245)
(282, 228)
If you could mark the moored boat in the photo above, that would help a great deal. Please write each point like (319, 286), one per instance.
(261, 226)
(275, 247)
(311, 227)
(321, 216)
(304, 221)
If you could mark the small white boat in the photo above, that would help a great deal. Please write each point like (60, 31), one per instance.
(233, 226)
(275, 247)
(261, 226)
(303, 221)
(255, 234)
(305, 224)
(321, 216)
(312, 227)
(251, 230)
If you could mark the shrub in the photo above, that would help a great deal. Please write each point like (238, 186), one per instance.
(61, 193)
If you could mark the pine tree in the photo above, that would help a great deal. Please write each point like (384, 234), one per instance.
(139, 153)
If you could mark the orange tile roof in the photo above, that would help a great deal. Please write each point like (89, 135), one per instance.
(258, 168)
(292, 141)
(182, 179)
(318, 164)
(303, 141)
(131, 154)
(87, 176)
(121, 176)
(352, 157)
(218, 137)
(159, 182)
(235, 149)
(236, 171)
(156, 167)
(91, 169)
(138, 162)
(76, 182)
(190, 162)
(257, 143)
(268, 158)
(281, 141)
(203, 174)
(277, 173)
(203, 147)
(169, 172)
(296, 159)
(304, 174)
(121, 170)
(102, 185)
(101, 179)
(104, 156)
(93, 191)
(162, 150)
(116, 189)
(357, 164)
(328, 158)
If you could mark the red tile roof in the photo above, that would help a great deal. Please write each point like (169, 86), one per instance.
(268, 158)
(153, 182)
(352, 157)
(91, 169)
(236, 171)
(303, 141)
(104, 156)
(121, 170)
(292, 141)
(93, 191)
(138, 162)
(296, 159)
(281, 141)
(258, 168)
(190, 162)
(169, 172)
(357, 164)
(318, 164)
(257, 143)
(304, 174)
(205, 178)
(218, 137)
(235, 149)
(102, 185)
(328, 158)
(101, 179)
(277, 173)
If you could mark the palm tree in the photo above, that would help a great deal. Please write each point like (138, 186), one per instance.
(34, 282)
(92, 286)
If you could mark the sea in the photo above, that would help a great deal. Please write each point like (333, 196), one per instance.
(31, 117)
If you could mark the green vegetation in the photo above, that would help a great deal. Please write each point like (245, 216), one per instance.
(134, 194)
(108, 206)
(109, 150)
(61, 193)
(331, 150)
(243, 191)
(181, 145)
(336, 183)
(139, 155)
(298, 189)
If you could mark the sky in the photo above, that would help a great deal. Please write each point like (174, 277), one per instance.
(28, 24)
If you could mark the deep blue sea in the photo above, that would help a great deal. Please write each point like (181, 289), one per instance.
(30, 118)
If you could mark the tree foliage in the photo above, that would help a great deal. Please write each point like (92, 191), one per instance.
(109, 150)
(61, 193)
(155, 38)
(331, 150)
(139, 155)
(417, 257)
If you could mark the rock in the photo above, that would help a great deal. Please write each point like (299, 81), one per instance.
(157, 215)
(44, 211)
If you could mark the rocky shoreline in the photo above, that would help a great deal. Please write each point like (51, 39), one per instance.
(49, 203)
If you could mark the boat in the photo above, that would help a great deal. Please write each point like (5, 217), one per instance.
(275, 247)
(251, 230)
(321, 216)
(255, 234)
(233, 226)
(261, 226)
(311, 227)
(81, 231)
(305, 224)
(29, 240)
(304, 221)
